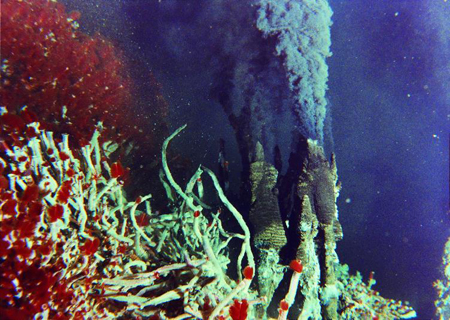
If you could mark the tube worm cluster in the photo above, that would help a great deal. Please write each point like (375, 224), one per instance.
(63, 225)
(360, 301)
(442, 286)
(72, 246)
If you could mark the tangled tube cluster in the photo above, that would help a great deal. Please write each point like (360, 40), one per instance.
(62, 226)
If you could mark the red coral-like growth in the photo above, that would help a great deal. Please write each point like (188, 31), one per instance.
(67, 81)
(70, 79)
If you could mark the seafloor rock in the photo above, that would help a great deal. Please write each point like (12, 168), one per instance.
(269, 233)
(317, 230)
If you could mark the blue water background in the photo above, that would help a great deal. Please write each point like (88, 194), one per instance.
(389, 87)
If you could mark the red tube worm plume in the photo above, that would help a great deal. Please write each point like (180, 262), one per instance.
(284, 306)
(64, 191)
(296, 265)
(90, 246)
(117, 170)
(55, 212)
(238, 311)
(30, 194)
(4, 183)
(248, 273)
(143, 220)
